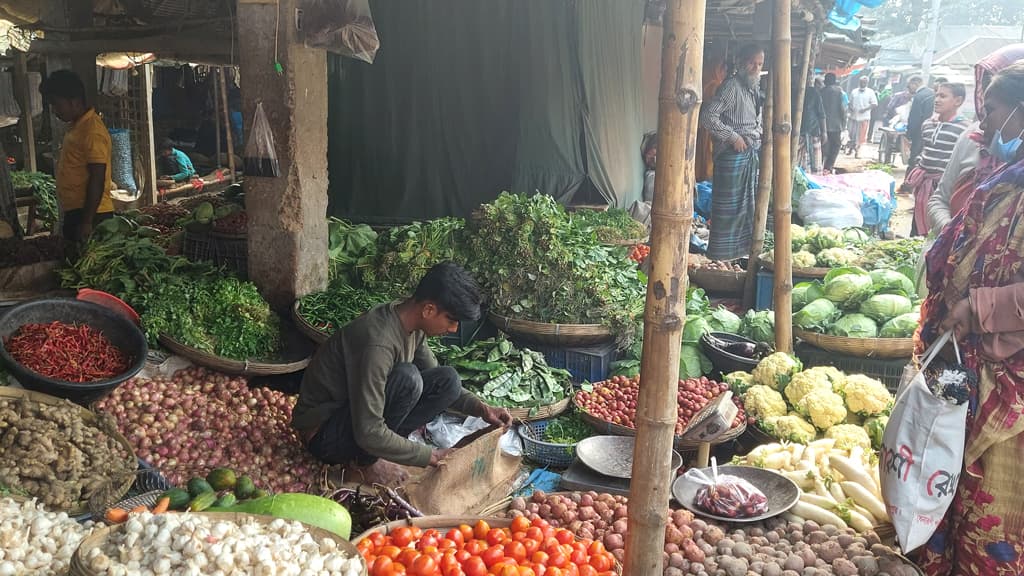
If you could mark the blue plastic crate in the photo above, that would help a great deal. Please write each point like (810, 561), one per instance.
(765, 289)
(590, 364)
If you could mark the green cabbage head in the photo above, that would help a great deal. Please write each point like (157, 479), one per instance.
(886, 280)
(816, 316)
(884, 307)
(902, 326)
(805, 293)
(848, 286)
(854, 326)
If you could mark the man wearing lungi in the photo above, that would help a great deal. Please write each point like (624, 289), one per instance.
(733, 118)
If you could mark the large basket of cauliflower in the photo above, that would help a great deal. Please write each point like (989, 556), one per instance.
(797, 405)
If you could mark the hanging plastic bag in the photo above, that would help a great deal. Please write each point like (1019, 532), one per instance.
(923, 446)
(726, 495)
(344, 27)
(260, 154)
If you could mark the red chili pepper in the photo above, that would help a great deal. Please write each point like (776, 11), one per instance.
(68, 352)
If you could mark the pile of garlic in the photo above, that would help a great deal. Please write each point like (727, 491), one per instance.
(34, 541)
(189, 544)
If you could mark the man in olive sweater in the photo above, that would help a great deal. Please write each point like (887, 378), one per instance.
(376, 381)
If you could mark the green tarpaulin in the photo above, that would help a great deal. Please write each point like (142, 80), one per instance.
(468, 98)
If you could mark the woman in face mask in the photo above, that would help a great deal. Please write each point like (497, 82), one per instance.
(976, 289)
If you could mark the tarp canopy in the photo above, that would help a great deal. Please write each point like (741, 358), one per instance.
(467, 99)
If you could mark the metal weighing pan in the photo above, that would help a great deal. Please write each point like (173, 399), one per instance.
(613, 455)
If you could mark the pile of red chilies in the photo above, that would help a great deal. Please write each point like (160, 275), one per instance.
(68, 352)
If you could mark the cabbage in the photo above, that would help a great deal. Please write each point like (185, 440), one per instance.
(806, 292)
(759, 326)
(854, 326)
(848, 287)
(885, 307)
(722, 320)
(891, 281)
(816, 316)
(822, 238)
(804, 260)
(695, 328)
(856, 236)
(902, 326)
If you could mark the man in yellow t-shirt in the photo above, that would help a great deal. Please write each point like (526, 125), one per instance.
(83, 172)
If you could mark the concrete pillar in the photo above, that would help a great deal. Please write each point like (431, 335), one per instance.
(287, 215)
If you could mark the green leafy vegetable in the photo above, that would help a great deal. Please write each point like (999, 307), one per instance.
(816, 316)
(884, 307)
(347, 243)
(335, 307)
(722, 320)
(806, 292)
(902, 326)
(404, 254)
(44, 190)
(759, 326)
(567, 429)
(612, 225)
(854, 326)
(848, 287)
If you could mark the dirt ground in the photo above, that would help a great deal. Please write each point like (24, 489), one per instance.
(901, 219)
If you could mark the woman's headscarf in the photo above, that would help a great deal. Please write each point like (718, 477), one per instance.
(987, 67)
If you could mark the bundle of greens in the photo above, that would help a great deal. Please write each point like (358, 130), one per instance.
(347, 244)
(900, 255)
(404, 254)
(611, 225)
(502, 375)
(569, 428)
(535, 264)
(44, 190)
(338, 305)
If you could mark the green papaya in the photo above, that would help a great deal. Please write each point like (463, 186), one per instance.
(228, 499)
(203, 501)
(244, 487)
(197, 486)
(179, 498)
(221, 478)
(203, 213)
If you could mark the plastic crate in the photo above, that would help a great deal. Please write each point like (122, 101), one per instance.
(590, 364)
(765, 289)
(230, 251)
(889, 372)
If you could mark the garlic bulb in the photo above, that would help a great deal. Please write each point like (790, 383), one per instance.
(34, 541)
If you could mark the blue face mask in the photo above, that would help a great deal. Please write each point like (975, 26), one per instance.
(1005, 151)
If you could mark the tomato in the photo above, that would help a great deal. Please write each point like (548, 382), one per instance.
(417, 532)
(602, 562)
(538, 522)
(539, 557)
(550, 543)
(557, 560)
(428, 540)
(578, 557)
(526, 571)
(377, 539)
(475, 547)
(481, 529)
(496, 536)
(401, 536)
(467, 532)
(596, 547)
(447, 544)
(407, 556)
(509, 570)
(424, 566)
(492, 555)
(462, 556)
(515, 551)
(531, 546)
(381, 566)
(564, 536)
(534, 533)
(474, 566)
(520, 524)
(587, 570)
(456, 536)
(554, 571)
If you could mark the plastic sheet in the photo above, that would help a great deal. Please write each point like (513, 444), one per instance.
(344, 27)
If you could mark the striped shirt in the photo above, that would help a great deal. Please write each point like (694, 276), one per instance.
(939, 140)
(734, 111)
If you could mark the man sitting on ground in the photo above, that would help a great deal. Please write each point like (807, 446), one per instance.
(176, 165)
(376, 381)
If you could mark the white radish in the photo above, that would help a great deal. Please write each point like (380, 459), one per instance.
(859, 522)
(790, 517)
(853, 473)
(818, 514)
(836, 491)
(823, 502)
(777, 461)
(823, 445)
(820, 490)
(803, 478)
(864, 512)
(865, 498)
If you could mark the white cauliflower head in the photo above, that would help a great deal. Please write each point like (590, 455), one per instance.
(776, 370)
(849, 436)
(762, 402)
(824, 408)
(866, 396)
(804, 382)
(790, 427)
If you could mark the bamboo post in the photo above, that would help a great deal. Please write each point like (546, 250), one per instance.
(764, 196)
(216, 116)
(783, 177)
(24, 97)
(148, 136)
(227, 120)
(682, 56)
(801, 94)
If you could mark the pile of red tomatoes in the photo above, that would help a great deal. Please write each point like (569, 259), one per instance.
(639, 253)
(526, 548)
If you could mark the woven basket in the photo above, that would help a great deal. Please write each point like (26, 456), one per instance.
(118, 486)
(567, 335)
(545, 453)
(627, 242)
(540, 412)
(718, 281)
(609, 428)
(307, 329)
(859, 347)
(293, 360)
(800, 272)
(98, 537)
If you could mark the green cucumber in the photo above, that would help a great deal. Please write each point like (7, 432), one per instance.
(305, 508)
(202, 502)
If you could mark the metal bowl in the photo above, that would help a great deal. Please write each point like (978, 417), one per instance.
(782, 492)
(613, 455)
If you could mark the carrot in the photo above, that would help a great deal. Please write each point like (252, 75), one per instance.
(162, 505)
(116, 515)
(140, 508)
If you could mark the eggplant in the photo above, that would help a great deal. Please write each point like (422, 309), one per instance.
(744, 349)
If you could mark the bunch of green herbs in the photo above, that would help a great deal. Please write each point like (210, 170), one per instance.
(900, 255)
(347, 244)
(44, 190)
(611, 225)
(335, 307)
(404, 254)
(503, 375)
(569, 428)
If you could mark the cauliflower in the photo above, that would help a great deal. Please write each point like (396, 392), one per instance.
(739, 382)
(776, 370)
(849, 436)
(804, 382)
(803, 259)
(836, 257)
(866, 396)
(790, 427)
(824, 407)
(833, 374)
(763, 402)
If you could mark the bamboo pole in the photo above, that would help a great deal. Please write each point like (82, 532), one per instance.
(763, 200)
(801, 94)
(682, 60)
(148, 136)
(24, 98)
(227, 120)
(216, 116)
(783, 177)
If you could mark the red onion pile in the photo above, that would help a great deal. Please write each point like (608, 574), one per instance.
(198, 420)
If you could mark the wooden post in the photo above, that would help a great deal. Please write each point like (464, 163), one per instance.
(801, 94)
(216, 114)
(682, 56)
(764, 197)
(148, 137)
(227, 120)
(24, 97)
(783, 176)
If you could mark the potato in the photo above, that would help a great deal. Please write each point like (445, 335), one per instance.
(742, 550)
(771, 569)
(673, 571)
(866, 565)
(613, 541)
(829, 551)
(713, 535)
(843, 567)
(793, 562)
(675, 560)
(816, 537)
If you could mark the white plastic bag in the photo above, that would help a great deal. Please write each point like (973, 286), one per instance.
(260, 154)
(922, 455)
(831, 208)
